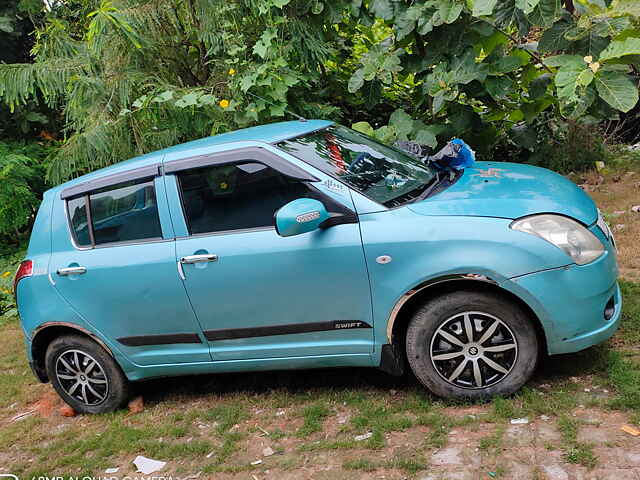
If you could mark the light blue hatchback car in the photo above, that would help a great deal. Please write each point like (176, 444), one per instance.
(305, 244)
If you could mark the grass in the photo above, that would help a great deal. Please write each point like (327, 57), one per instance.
(410, 465)
(493, 443)
(575, 451)
(313, 417)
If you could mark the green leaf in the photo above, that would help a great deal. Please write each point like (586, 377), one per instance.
(507, 64)
(533, 109)
(498, 87)
(538, 86)
(356, 81)
(263, 45)
(163, 97)
(188, 100)
(585, 77)
(386, 134)
(207, 99)
(277, 110)
(465, 69)
(506, 14)
(280, 3)
(553, 38)
(567, 81)
(426, 137)
(564, 60)
(610, 27)
(402, 122)
(483, 7)
(405, 23)
(546, 13)
(617, 89)
(527, 6)
(363, 127)
(382, 9)
(450, 10)
(618, 49)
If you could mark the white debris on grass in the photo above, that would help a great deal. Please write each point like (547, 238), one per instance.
(267, 451)
(519, 421)
(364, 436)
(147, 465)
(112, 470)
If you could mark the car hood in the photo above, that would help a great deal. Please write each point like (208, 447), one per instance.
(509, 190)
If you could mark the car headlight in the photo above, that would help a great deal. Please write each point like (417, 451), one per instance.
(568, 235)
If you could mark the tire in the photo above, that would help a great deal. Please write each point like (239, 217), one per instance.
(94, 388)
(437, 346)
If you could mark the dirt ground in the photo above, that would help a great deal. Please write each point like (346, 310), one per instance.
(567, 424)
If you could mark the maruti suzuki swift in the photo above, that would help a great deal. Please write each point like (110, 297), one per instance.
(305, 244)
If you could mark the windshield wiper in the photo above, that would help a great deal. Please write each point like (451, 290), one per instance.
(436, 181)
(412, 195)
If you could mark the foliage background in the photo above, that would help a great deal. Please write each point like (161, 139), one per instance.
(87, 83)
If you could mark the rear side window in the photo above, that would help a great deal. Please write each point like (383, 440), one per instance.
(120, 213)
(236, 196)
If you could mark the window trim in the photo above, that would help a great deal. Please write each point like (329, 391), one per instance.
(242, 155)
(85, 188)
(87, 205)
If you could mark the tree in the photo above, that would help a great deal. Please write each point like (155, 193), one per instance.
(132, 76)
(136, 76)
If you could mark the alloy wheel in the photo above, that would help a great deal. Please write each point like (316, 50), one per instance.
(473, 350)
(82, 377)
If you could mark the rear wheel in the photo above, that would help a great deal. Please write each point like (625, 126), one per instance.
(470, 344)
(85, 376)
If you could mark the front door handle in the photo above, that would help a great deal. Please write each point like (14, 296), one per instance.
(72, 271)
(207, 257)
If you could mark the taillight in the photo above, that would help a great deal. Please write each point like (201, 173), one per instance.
(24, 270)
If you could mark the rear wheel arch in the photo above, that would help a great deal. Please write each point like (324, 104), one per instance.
(47, 333)
(405, 308)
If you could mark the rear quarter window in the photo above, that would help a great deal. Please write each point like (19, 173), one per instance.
(121, 213)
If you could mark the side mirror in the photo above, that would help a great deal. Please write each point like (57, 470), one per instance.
(300, 216)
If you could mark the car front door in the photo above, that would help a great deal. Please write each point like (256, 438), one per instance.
(256, 294)
(113, 260)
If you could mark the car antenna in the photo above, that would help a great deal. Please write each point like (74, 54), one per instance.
(299, 117)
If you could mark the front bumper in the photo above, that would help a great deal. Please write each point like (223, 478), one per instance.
(578, 306)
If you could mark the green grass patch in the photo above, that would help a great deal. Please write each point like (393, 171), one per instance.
(629, 333)
(493, 443)
(575, 451)
(361, 464)
(624, 375)
(313, 416)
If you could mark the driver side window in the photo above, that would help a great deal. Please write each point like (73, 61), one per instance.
(236, 196)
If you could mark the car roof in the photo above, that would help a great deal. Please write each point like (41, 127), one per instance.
(268, 133)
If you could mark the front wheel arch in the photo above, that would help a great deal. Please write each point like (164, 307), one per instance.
(401, 316)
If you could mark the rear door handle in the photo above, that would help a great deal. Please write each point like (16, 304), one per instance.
(207, 257)
(72, 271)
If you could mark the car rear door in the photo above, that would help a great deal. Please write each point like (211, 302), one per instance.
(256, 294)
(113, 260)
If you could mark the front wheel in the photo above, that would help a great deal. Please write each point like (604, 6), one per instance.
(468, 344)
(85, 376)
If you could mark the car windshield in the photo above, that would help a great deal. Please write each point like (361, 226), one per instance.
(384, 174)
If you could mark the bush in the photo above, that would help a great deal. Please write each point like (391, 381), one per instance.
(22, 171)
